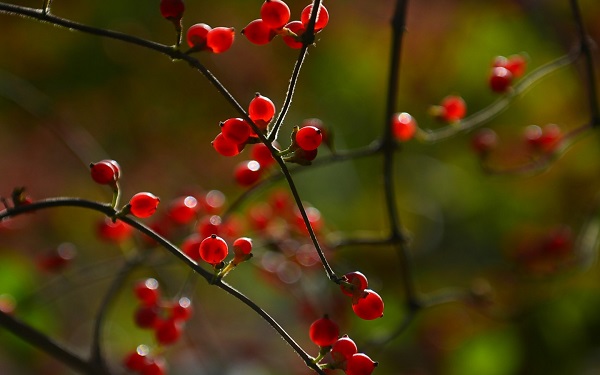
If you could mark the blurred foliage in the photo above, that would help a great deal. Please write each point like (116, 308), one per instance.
(157, 117)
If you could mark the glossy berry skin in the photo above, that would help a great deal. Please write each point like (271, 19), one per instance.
(196, 36)
(226, 147)
(261, 110)
(147, 291)
(484, 141)
(236, 130)
(297, 28)
(453, 108)
(168, 331)
(322, 17)
(275, 13)
(242, 246)
(258, 32)
(113, 232)
(105, 172)
(404, 126)
(359, 284)
(183, 210)
(213, 249)
(172, 9)
(360, 364)
(309, 138)
(343, 349)
(369, 306)
(143, 205)
(220, 39)
(500, 79)
(247, 173)
(324, 332)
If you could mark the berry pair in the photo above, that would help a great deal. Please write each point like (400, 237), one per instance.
(545, 139)
(366, 303)
(201, 37)
(505, 70)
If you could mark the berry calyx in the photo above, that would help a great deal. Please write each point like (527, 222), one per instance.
(147, 291)
(368, 306)
(275, 13)
(105, 172)
(404, 126)
(225, 146)
(309, 138)
(196, 36)
(355, 284)
(247, 173)
(360, 364)
(236, 130)
(261, 110)
(213, 249)
(324, 332)
(293, 40)
(220, 39)
(143, 205)
(258, 32)
(322, 17)
(500, 79)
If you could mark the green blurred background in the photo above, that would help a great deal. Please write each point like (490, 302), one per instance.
(67, 99)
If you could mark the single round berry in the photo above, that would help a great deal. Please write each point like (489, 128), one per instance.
(220, 39)
(500, 79)
(236, 130)
(209, 224)
(191, 246)
(343, 349)
(156, 366)
(168, 331)
(147, 291)
(297, 28)
(182, 309)
(404, 126)
(143, 205)
(360, 364)
(172, 9)
(260, 152)
(137, 359)
(183, 210)
(196, 36)
(324, 332)
(358, 283)
(484, 141)
(105, 172)
(258, 32)
(309, 138)
(213, 249)
(516, 64)
(261, 110)
(242, 246)
(368, 306)
(226, 147)
(111, 231)
(247, 173)
(453, 108)
(304, 156)
(146, 316)
(322, 17)
(275, 13)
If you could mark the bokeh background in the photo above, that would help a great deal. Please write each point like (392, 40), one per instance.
(67, 99)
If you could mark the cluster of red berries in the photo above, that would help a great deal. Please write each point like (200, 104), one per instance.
(166, 318)
(505, 70)
(275, 20)
(366, 303)
(343, 352)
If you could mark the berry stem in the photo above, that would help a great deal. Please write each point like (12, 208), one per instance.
(116, 196)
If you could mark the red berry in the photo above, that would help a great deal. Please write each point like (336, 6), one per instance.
(113, 232)
(191, 245)
(58, 257)
(404, 126)
(242, 246)
(275, 13)
(309, 138)
(368, 306)
(260, 152)
(516, 64)
(146, 316)
(258, 32)
(322, 17)
(196, 36)
(182, 309)
(305, 156)
(453, 108)
(546, 139)
(261, 110)
(484, 141)
(213, 249)
(500, 79)
(236, 130)
(168, 331)
(155, 367)
(226, 147)
(209, 224)
(358, 283)
(360, 364)
(138, 359)
(324, 331)
(183, 210)
(147, 291)
(143, 205)
(343, 349)
(247, 173)
(105, 172)
(172, 9)
(220, 39)
(297, 28)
